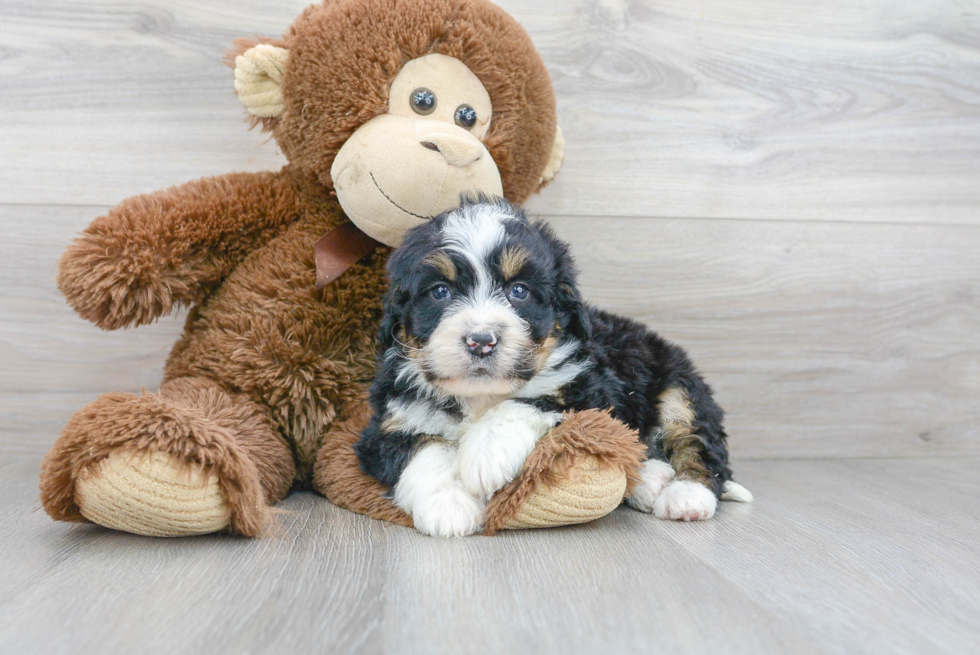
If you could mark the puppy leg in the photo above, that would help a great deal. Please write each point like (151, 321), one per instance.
(683, 500)
(654, 476)
(690, 495)
(493, 450)
(430, 490)
(735, 492)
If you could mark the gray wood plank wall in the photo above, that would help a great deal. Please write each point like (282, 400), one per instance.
(789, 189)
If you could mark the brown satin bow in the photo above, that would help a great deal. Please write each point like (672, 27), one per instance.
(338, 250)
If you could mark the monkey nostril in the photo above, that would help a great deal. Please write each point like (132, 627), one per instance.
(458, 151)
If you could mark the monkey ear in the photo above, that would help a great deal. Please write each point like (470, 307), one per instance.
(554, 161)
(258, 76)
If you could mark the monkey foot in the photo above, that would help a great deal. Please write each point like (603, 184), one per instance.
(579, 472)
(591, 493)
(153, 494)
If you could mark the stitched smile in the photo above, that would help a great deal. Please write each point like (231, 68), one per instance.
(424, 218)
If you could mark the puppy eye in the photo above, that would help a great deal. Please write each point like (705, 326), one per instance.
(465, 116)
(423, 101)
(518, 292)
(441, 292)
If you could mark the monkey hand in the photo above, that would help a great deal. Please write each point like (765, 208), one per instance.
(113, 276)
(155, 252)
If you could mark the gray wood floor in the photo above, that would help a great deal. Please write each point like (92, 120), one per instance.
(789, 189)
(836, 556)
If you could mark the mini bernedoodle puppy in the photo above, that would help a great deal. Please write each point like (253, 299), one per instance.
(485, 342)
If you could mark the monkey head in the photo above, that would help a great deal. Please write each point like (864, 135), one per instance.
(400, 106)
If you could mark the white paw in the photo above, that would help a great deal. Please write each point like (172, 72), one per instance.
(653, 476)
(487, 466)
(450, 512)
(735, 492)
(493, 450)
(430, 490)
(685, 501)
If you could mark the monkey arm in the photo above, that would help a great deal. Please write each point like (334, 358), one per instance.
(155, 252)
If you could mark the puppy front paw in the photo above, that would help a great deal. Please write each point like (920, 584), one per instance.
(487, 466)
(449, 512)
(654, 476)
(493, 450)
(682, 500)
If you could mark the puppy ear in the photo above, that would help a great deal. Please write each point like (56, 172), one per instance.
(400, 268)
(403, 267)
(395, 302)
(573, 315)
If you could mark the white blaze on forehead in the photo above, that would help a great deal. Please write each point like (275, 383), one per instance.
(474, 232)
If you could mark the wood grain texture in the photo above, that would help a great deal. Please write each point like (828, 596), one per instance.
(772, 109)
(765, 109)
(821, 339)
(834, 557)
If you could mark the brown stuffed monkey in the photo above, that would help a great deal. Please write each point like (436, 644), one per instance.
(386, 111)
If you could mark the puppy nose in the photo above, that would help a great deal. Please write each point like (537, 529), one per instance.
(481, 344)
(457, 147)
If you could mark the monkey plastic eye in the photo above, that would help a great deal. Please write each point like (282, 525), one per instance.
(465, 116)
(423, 101)
(518, 292)
(441, 292)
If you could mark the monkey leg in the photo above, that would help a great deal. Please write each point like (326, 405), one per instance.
(337, 474)
(192, 459)
(578, 472)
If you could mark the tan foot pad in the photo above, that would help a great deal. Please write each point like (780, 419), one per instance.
(152, 494)
(594, 492)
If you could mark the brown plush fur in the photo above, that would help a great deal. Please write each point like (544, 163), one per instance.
(266, 385)
(158, 251)
(339, 476)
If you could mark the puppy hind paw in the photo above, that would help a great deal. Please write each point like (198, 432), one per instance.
(733, 491)
(450, 512)
(654, 475)
(682, 500)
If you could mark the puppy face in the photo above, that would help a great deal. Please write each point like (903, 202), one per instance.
(479, 298)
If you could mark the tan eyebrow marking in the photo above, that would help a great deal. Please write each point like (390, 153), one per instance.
(512, 260)
(443, 264)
